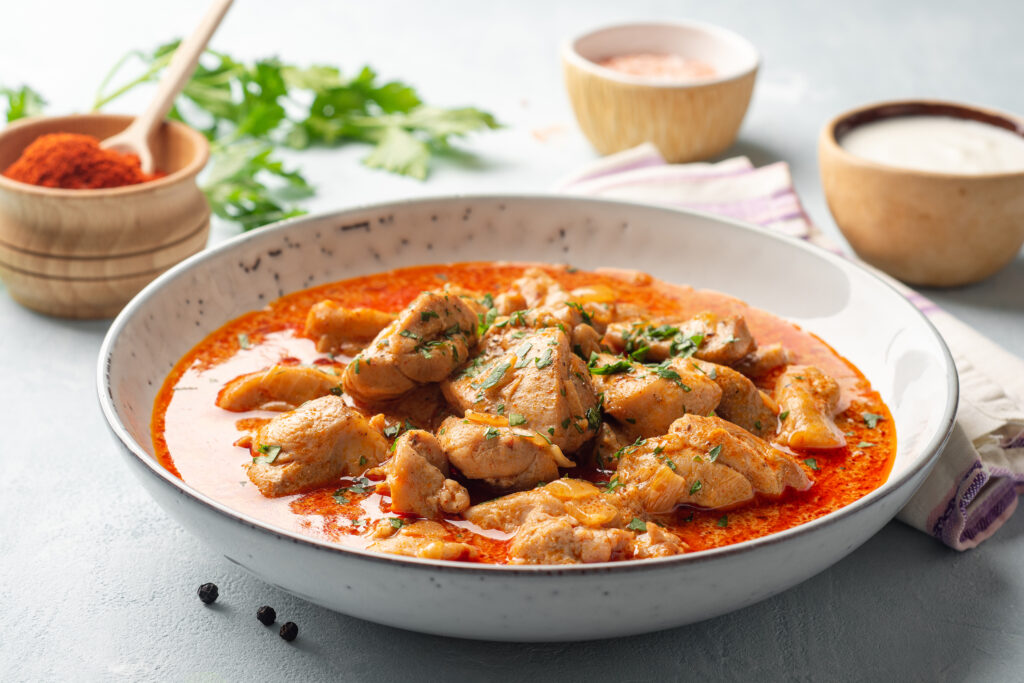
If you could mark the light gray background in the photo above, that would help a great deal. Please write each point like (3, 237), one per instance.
(96, 583)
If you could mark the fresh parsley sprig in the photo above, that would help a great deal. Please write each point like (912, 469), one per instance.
(249, 110)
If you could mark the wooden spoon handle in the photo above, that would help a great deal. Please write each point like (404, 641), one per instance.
(183, 63)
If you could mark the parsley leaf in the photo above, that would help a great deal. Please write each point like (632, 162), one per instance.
(812, 463)
(515, 419)
(250, 109)
(495, 375)
(270, 454)
(871, 419)
(714, 453)
(637, 524)
(610, 368)
(22, 102)
(613, 484)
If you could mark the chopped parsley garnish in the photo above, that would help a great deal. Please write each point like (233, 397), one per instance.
(409, 334)
(610, 368)
(515, 419)
(544, 360)
(337, 391)
(723, 521)
(396, 522)
(579, 307)
(523, 354)
(613, 484)
(495, 375)
(669, 463)
(812, 463)
(362, 460)
(664, 371)
(783, 415)
(473, 368)
(630, 448)
(594, 417)
(696, 486)
(500, 409)
(872, 419)
(270, 454)
(427, 315)
(491, 433)
(392, 431)
(757, 425)
(551, 431)
(565, 423)
(714, 453)
(640, 354)
(684, 347)
(243, 341)
(865, 444)
(357, 364)
(339, 497)
(485, 320)
(637, 524)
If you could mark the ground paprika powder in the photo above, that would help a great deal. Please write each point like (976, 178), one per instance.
(73, 161)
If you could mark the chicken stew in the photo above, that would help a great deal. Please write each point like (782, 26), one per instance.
(522, 414)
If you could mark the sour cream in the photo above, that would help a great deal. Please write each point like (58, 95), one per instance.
(940, 144)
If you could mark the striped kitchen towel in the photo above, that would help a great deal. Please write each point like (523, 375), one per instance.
(975, 485)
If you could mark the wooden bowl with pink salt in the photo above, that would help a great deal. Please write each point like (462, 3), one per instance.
(684, 87)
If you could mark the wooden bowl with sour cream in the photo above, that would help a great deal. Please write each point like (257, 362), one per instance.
(83, 253)
(930, 192)
(684, 87)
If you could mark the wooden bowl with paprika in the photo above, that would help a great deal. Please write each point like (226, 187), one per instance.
(82, 230)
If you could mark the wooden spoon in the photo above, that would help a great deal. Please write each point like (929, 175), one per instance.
(136, 138)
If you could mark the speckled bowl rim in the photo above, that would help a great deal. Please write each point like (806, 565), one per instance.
(848, 120)
(189, 170)
(928, 455)
(573, 57)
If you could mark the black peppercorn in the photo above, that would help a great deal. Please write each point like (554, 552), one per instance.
(266, 615)
(289, 631)
(208, 593)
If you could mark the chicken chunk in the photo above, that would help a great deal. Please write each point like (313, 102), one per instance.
(742, 403)
(646, 400)
(769, 470)
(657, 542)
(311, 446)
(567, 521)
(763, 360)
(559, 540)
(416, 478)
(534, 378)
(722, 340)
(507, 458)
(423, 407)
(508, 513)
(337, 329)
(808, 399)
(659, 474)
(428, 339)
(428, 540)
(543, 302)
(279, 387)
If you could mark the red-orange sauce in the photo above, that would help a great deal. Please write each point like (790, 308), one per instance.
(193, 438)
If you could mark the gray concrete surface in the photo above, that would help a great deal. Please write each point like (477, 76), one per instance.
(96, 583)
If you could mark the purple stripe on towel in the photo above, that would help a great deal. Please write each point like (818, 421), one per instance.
(949, 524)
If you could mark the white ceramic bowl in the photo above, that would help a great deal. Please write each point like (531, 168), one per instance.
(863, 318)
